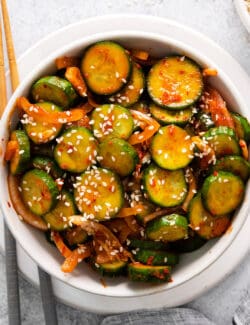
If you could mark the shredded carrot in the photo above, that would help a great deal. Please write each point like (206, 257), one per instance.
(139, 54)
(73, 74)
(244, 148)
(191, 190)
(209, 72)
(67, 61)
(126, 212)
(150, 129)
(11, 148)
(40, 115)
(63, 249)
(75, 257)
(213, 103)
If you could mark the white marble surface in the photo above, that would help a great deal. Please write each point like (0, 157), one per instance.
(31, 20)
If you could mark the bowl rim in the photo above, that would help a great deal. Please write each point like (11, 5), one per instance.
(73, 45)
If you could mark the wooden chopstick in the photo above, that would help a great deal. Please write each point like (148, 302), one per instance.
(49, 306)
(3, 99)
(10, 47)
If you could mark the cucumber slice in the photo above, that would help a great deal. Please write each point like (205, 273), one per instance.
(147, 244)
(155, 257)
(190, 244)
(223, 140)
(175, 82)
(172, 147)
(242, 127)
(58, 218)
(222, 193)
(75, 236)
(43, 132)
(54, 89)
(234, 164)
(76, 150)
(148, 208)
(106, 67)
(148, 273)
(112, 121)
(117, 155)
(163, 187)
(201, 221)
(98, 194)
(166, 116)
(39, 191)
(113, 269)
(131, 93)
(48, 165)
(20, 160)
(168, 228)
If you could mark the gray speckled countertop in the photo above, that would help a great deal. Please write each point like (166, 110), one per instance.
(31, 20)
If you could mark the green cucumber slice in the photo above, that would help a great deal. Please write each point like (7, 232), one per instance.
(58, 218)
(106, 67)
(155, 257)
(163, 187)
(175, 82)
(39, 191)
(48, 165)
(40, 132)
(201, 221)
(242, 126)
(76, 150)
(54, 89)
(147, 244)
(190, 244)
(172, 147)
(20, 161)
(98, 194)
(223, 141)
(233, 164)
(166, 116)
(168, 228)
(112, 120)
(222, 193)
(113, 269)
(118, 155)
(131, 93)
(148, 273)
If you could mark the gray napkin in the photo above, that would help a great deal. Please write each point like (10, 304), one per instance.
(242, 314)
(166, 316)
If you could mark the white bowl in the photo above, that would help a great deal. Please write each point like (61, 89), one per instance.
(244, 14)
(34, 242)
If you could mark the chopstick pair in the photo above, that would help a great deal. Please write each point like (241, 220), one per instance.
(47, 296)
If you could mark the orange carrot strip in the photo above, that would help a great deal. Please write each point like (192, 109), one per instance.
(209, 72)
(244, 148)
(150, 129)
(75, 258)
(191, 191)
(73, 74)
(23, 212)
(126, 212)
(40, 115)
(216, 106)
(63, 249)
(11, 148)
(66, 61)
(139, 54)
